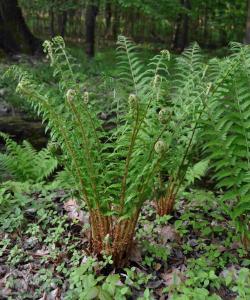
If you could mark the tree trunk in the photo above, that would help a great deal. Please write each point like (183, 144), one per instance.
(132, 21)
(116, 22)
(205, 30)
(176, 34)
(182, 28)
(247, 36)
(223, 38)
(15, 36)
(185, 31)
(90, 21)
(108, 16)
(62, 22)
(52, 22)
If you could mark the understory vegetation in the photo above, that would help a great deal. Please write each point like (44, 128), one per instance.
(143, 189)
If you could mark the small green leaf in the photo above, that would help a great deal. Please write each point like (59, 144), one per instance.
(92, 293)
(104, 295)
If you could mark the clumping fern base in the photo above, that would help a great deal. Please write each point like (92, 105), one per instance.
(112, 237)
(165, 205)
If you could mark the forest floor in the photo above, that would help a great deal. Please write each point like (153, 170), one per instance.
(44, 239)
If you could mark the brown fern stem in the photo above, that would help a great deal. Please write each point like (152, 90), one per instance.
(101, 228)
(113, 240)
(165, 204)
(245, 242)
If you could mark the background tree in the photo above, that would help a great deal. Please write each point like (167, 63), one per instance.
(247, 37)
(15, 36)
(182, 27)
(168, 23)
(90, 23)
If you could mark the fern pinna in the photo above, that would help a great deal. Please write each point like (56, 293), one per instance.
(227, 136)
(114, 170)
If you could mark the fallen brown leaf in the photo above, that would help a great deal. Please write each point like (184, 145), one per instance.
(44, 297)
(54, 295)
(135, 254)
(175, 277)
(168, 234)
(40, 252)
(74, 211)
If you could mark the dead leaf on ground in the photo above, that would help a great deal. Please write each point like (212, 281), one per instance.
(175, 277)
(168, 234)
(135, 254)
(157, 266)
(154, 284)
(44, 297)
(232, 271)
(54, 295)
(40, 252)
(74, 211)
(4, 293)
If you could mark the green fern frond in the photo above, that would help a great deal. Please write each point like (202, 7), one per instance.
(197, 171)
(24, 163)
(226, 129)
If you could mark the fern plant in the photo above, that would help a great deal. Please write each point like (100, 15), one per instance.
(227, 137)
(24, 163)
(182, 110)
(113, 169)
